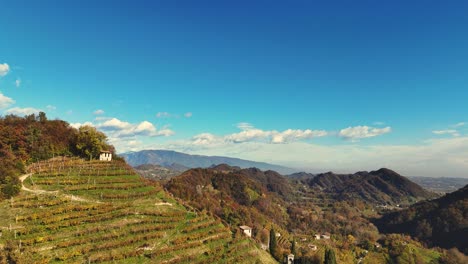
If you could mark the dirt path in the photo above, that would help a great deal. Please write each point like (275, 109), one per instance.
(24, 188)
(71, 197)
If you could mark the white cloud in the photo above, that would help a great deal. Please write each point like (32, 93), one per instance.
(98, 112)
(459, 124)
(188, 114)
(451, 132)
(244, 126)
(115, 124)
(5, 101)
(22, 111)
(206, 139)
(163, 115)
(360, 132)
(18, 83)
(4, 69)
(51, 107)
(296, 134)
(78, 125)
(69, 112)
(249, 133)
(120, 128)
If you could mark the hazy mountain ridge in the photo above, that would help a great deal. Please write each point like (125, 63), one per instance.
(169, 157)
(382, 186)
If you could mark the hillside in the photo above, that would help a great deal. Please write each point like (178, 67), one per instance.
(441, 222)
(75, 211)
(167, 158)
(383, 186)
(24, 140)
(240, 196)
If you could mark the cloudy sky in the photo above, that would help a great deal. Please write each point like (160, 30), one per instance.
(342, 86)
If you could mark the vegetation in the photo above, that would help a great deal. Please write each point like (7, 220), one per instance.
(24, 140)
(441, 222)
(329, 256)
(76, 211)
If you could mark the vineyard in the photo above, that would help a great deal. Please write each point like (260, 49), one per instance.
(75, 211)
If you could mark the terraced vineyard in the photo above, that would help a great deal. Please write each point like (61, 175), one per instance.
(75, 211)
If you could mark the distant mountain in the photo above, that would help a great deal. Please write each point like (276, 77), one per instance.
(167, 158)
(383, 186)
(301, 176)
(440, 222)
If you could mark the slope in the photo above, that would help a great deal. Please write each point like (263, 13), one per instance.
(75, 211)
(441, 222)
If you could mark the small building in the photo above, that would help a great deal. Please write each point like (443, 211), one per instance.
(289, 259)
(105, 156)
(326, 236)
(317, 236)
(247, 230)
(312, 246)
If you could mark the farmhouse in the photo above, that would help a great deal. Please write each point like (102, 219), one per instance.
(105, 156)
(247, 230)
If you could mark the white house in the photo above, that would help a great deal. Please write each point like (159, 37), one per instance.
(317, 236)
(289, 259)
(247, 230)
(326, 236)
(105, 156)
(312, 246)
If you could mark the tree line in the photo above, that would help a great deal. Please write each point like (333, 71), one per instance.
(24, 140)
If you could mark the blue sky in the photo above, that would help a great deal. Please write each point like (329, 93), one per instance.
(331, 85)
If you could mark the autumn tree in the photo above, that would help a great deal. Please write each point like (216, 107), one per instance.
(90, 142)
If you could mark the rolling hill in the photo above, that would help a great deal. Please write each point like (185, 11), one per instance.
(383, 186)
(76, 211)
(441, 222)
(169, 158)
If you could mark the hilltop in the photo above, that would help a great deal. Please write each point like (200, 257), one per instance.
(24, 140)
(383, 186)
(440, 222)
(168, 158)
(76, 211)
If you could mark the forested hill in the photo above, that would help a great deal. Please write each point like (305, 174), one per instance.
(32, 138)
(440, 222)
(383, 186)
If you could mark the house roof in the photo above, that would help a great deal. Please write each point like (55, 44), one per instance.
(245, 227)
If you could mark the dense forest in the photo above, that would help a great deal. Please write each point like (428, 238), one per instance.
(24, 140)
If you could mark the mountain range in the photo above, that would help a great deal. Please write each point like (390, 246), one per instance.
(169, 158)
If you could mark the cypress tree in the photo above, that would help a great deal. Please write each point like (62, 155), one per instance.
(273, 242)
(329, 256)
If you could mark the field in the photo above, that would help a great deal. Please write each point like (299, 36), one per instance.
(74, 211)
